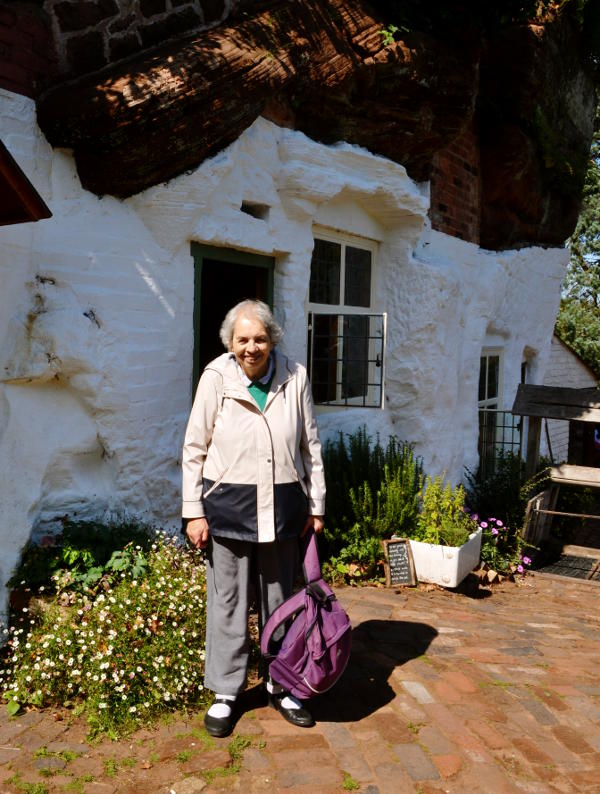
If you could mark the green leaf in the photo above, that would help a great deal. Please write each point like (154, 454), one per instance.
(118, 562)
(13, 707)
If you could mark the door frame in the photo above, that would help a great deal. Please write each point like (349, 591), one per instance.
(200, 252)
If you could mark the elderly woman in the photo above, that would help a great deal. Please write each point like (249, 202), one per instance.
(252, 483)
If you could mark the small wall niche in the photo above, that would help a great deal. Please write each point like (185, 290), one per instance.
(258, 211)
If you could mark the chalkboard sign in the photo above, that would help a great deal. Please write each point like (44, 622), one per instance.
(399, 566)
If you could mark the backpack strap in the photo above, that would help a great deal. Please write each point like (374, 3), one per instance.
(310, 557)
(283, 612)
(297, 602)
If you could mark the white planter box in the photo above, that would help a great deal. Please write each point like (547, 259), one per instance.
(446, 565)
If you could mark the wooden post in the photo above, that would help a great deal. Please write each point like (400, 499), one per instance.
(534, 433)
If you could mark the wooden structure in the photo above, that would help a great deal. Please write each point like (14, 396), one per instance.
(540, 402)
(19, 200)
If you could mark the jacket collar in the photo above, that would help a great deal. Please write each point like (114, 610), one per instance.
(226, 365)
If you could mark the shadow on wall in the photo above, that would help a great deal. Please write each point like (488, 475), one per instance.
(378, 647)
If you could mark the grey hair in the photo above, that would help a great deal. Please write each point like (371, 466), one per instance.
(252, 308)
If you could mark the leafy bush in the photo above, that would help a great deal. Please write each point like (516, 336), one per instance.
(84, 556)
(502, 547)
(498, 493)
(443, 518)
(504, 494)
(122, 656)
(372, 493)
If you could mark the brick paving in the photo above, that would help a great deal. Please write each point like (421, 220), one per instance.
(494, 692)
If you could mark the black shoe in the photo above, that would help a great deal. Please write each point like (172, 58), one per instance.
(301, 718)
(220, 726)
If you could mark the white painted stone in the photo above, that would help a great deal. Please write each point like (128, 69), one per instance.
(96, 319)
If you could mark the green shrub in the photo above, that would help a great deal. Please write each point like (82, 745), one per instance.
(443, 518)
(124, 655)
(84, 556)
(373, 492)
(504, 492)
(498, 502)
(502, 547)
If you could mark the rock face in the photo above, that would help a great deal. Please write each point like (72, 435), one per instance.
(322, 68)
(299, 63)
(536, 114)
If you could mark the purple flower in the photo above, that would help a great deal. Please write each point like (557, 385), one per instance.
(483, 525)
(498, 522)
(526, 561)
(520, 568)
(491, 519)
(494, 531)
(475, 517)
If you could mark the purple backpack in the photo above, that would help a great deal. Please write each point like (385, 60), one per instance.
(316, 647)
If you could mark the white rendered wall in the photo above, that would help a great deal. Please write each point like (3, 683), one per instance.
(96, 334)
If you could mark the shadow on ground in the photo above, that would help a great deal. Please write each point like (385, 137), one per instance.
(378, 647)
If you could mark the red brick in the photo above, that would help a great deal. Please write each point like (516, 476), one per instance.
(16, 73)
(572, 740)
(550, 698)
(448, 765)
(493, 738)
(447, 693)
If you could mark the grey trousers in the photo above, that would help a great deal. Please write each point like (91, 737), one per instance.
(236, 572)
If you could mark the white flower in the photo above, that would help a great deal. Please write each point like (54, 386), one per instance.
(101, 705)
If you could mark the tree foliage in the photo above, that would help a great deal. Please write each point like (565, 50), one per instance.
(578, 323)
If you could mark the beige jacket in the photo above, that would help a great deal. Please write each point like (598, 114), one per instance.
(254, 475)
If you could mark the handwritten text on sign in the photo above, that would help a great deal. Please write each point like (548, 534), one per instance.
(399, 565)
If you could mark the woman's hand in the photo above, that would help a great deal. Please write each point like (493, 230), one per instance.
(197, 532)
(316, 522)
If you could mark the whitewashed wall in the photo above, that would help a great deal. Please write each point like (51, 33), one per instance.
(96, 331)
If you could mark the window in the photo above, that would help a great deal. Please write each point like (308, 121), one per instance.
(345, 337)
(489, 379)
(499, 430)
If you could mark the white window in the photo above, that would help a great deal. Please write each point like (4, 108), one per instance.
(498, 429)
(490, 379)
(346, 337)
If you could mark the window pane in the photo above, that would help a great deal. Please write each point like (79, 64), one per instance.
(493, 377)
(482, 377)
(323, 372)
(325, 272)
(345, 363)
(355, 357)
(357, 288)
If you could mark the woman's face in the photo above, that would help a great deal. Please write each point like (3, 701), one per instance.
(251, 346)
